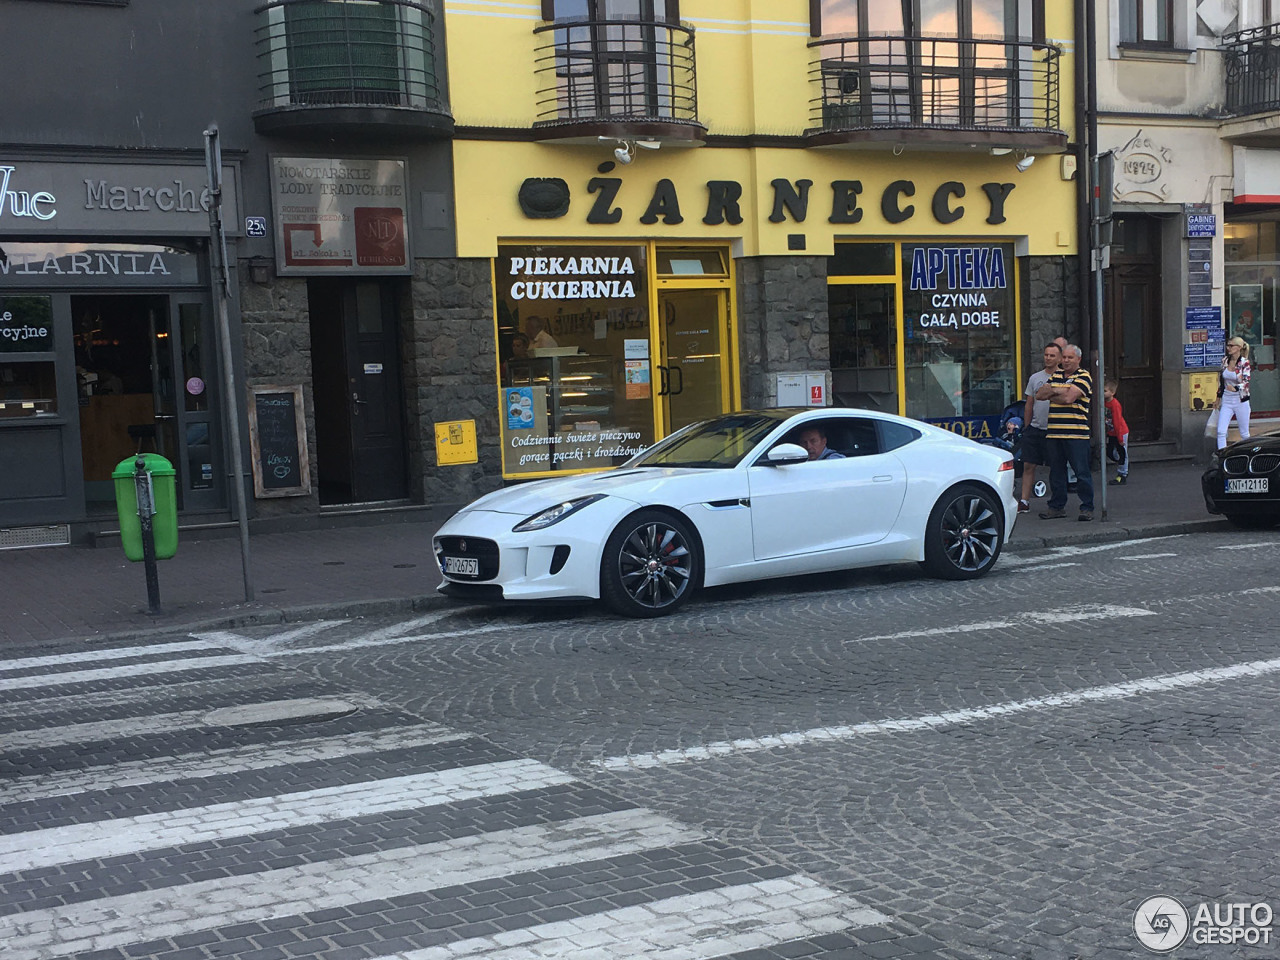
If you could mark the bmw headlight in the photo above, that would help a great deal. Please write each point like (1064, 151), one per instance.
(555, 514)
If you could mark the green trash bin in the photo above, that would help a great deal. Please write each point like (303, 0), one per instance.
(164, 525)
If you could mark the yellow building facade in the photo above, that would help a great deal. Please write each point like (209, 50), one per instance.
(738, 203)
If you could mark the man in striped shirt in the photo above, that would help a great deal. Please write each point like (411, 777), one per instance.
(1069, 393)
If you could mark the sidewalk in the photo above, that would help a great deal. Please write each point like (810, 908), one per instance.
(53, 593)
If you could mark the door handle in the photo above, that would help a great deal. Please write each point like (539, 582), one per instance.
(884, 478)
(676, 391)
(662, 379)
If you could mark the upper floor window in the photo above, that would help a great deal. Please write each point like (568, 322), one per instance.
(928, 18)
(610, 10)
(1147, 22)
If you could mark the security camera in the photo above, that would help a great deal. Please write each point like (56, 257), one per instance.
(622, 154)
(1025, 163)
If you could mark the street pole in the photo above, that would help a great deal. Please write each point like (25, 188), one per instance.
(221, 283)
(146, 511)
(1100, 215)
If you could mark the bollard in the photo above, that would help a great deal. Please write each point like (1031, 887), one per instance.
(146, 510)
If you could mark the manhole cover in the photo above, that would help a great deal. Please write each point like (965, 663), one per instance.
(308, 710)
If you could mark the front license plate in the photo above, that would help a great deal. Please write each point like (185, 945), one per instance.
(1249, 485)
(462, 566)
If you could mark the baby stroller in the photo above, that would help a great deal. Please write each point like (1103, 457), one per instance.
(1008, 436)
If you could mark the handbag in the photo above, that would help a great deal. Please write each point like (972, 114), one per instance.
(1211, 425)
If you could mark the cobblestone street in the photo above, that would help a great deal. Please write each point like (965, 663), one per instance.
(862, 765)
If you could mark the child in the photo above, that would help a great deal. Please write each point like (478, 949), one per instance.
(1117, 434)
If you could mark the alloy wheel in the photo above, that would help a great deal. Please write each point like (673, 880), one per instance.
(970, 532)
(655, 565)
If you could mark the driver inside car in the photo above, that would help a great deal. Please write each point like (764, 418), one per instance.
(814, 441)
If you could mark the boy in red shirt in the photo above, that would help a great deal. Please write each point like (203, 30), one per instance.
(1117, 434)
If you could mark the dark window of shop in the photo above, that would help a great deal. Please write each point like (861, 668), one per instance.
(27, 384)
(1147, 23)
(1251, 244)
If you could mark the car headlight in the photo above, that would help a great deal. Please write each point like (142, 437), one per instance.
(555, 514)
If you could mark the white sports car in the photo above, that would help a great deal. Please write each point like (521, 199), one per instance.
(737, 498)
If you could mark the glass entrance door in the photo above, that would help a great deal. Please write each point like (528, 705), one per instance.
(864, 345)
(146, 376)
(693, 364)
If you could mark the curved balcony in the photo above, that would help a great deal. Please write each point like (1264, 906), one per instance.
(625, 78)
(935, 91)
(346, 68)
(1252, 60)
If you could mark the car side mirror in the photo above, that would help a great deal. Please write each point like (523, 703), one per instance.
(785, 453)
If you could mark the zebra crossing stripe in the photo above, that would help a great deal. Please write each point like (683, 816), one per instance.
(169, 722)
(115, 922)
(206, 688)
(219, 763)
(696, 926)
(33, 681)
(935, 721)
(103, 653)
(110, 838)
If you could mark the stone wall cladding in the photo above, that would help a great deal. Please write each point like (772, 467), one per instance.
(783, 322)
(275, 326)
(450, 374)
(1051, 307)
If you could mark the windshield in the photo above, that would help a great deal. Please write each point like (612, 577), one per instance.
(718, 443)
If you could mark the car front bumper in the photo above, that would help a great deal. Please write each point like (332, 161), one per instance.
(559, 562)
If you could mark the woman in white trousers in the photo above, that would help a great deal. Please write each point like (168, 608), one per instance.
(1233, 390)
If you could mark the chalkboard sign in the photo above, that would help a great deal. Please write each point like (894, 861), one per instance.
(278, 441)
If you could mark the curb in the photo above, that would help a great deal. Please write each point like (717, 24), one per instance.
(419, 603)
(275, 615)
(1115, 534)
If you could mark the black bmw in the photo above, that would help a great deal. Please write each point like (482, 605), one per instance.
(1243, 482)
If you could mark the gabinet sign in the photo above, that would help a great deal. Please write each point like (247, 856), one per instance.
(90, 199)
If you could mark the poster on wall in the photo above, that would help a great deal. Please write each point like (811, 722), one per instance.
(345, 216)
(573, 336)
(1245, 306)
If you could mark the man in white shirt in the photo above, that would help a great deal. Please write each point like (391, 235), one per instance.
(536, 328)
(1036, 417)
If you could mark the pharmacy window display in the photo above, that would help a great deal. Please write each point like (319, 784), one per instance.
(927, 329)
(960, 330)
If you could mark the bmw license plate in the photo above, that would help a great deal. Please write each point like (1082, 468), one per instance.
(462, 566)
(1249, 485)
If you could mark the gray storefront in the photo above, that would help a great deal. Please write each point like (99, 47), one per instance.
(107, 344)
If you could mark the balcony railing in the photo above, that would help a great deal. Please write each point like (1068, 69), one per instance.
(618, 73)
(1253, 70)
(934, 84)
(343, 63)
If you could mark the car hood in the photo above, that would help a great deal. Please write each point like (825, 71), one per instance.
(526, 499)
(1267, 444)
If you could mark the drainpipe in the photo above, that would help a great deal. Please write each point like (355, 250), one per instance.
(1085, 132)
